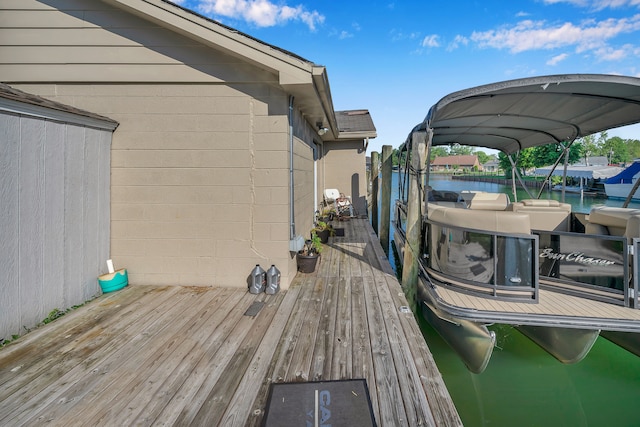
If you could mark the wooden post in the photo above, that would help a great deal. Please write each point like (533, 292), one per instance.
(410, 267)
(375, 171)
(385, 198)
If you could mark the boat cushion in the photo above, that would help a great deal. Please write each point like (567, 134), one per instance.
(618, 221)
(548, 215)
(488, 201)
(493, 221)
(545, 203)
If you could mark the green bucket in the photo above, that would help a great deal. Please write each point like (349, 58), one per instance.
(114, 281)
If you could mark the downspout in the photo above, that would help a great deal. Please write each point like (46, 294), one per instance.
(292, 221)
(296, 243)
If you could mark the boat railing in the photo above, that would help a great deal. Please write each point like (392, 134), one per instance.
(589, 266)
(634, 294)
(483, 261)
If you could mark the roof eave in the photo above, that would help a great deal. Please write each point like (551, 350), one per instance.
(305, 81)
(289, 67)
(357, 135)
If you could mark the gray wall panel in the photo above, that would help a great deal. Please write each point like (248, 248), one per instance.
(74, 213)
(31, 205)
(53, 291)
(9, 225)
(54, 222)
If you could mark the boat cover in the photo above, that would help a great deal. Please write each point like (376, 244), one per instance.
(626, 176)
(581, 171)
(517, 114)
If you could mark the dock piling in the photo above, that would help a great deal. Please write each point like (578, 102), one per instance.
(375, 172)
(385, 198)
(414, 214)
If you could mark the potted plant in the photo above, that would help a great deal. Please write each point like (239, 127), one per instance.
(328, 214)
(307, 258)
(323, 231)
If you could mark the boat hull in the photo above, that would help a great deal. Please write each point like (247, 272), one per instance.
(620, 191)
(471, 341)
(568, 345)
(630, 341)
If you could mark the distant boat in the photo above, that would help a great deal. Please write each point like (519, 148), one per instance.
(619, 186)
(588, 179)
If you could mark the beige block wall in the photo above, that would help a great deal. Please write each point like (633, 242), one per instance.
(344, 168)
(199, 196)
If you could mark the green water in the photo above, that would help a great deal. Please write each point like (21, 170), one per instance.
(525, 386)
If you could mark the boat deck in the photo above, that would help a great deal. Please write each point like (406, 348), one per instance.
(553, 308)
(172, 355)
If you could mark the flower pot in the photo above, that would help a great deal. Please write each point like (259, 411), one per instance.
(307, 263)
(113, 281)
(323, 235)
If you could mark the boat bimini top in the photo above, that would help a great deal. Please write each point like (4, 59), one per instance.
(516, 114)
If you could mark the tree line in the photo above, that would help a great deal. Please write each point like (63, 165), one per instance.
(615, 149)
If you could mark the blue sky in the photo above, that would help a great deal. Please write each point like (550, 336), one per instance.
(397, 58)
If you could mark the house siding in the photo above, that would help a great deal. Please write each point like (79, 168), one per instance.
(199, 197)
(88, 40)
(345, 169)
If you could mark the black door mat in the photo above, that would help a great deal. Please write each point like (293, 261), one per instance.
(339, 232)
(322, 403)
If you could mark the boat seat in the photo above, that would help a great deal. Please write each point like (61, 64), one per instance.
(549, 215)
(492, 221)
(458, 205)
(487, 201)
(443, 196)
(614, 221)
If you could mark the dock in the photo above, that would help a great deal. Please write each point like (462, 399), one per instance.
(206, 356)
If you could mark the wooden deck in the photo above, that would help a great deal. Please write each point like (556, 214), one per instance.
(189, 356)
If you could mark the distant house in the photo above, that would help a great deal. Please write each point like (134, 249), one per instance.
(491, 166)
(596, 161)
(448, 163)
(224, 145)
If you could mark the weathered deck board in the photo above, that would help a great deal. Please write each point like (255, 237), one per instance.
(189, 356)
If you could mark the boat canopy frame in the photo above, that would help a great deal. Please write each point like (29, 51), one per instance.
(518, 115)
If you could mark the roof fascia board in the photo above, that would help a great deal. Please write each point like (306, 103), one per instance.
(290, 69)
(323, 91)
(357, 135)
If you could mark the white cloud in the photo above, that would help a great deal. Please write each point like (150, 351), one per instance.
(575, 2)
(262, 13)
(398, 35)
(430, 41)
(535, 35)
(345, 35)
(457, 41)
(607, 53)
(557, 59)
(597, 4)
